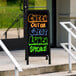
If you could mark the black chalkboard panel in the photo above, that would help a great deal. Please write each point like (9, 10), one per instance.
(38, 32)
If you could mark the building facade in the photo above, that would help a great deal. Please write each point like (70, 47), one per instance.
(60, 10)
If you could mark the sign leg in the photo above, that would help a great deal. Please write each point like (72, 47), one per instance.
(49, 57)
(46, 57)
(27, 61)
(25, 55)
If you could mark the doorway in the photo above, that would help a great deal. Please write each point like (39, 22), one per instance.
(59, 10)
(51, 4)
(62, 15)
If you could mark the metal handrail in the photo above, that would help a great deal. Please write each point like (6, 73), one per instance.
(17, 66)
(70, 45)
(15, 21)
(67, 29)
(64, 46)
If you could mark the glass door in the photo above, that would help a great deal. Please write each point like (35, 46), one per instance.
(51, 4)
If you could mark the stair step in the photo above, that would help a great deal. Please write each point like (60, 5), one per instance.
(58, 74)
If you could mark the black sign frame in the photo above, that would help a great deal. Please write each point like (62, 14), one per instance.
(33, 54)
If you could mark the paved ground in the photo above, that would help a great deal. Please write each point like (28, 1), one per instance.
(58, 56)
(12, 33)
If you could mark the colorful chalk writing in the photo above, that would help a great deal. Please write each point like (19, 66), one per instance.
(39, 25)
(38, 48)
(38, 32)
(33, 40)
(37, 18)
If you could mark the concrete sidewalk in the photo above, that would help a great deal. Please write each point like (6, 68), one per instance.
(58, 57)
